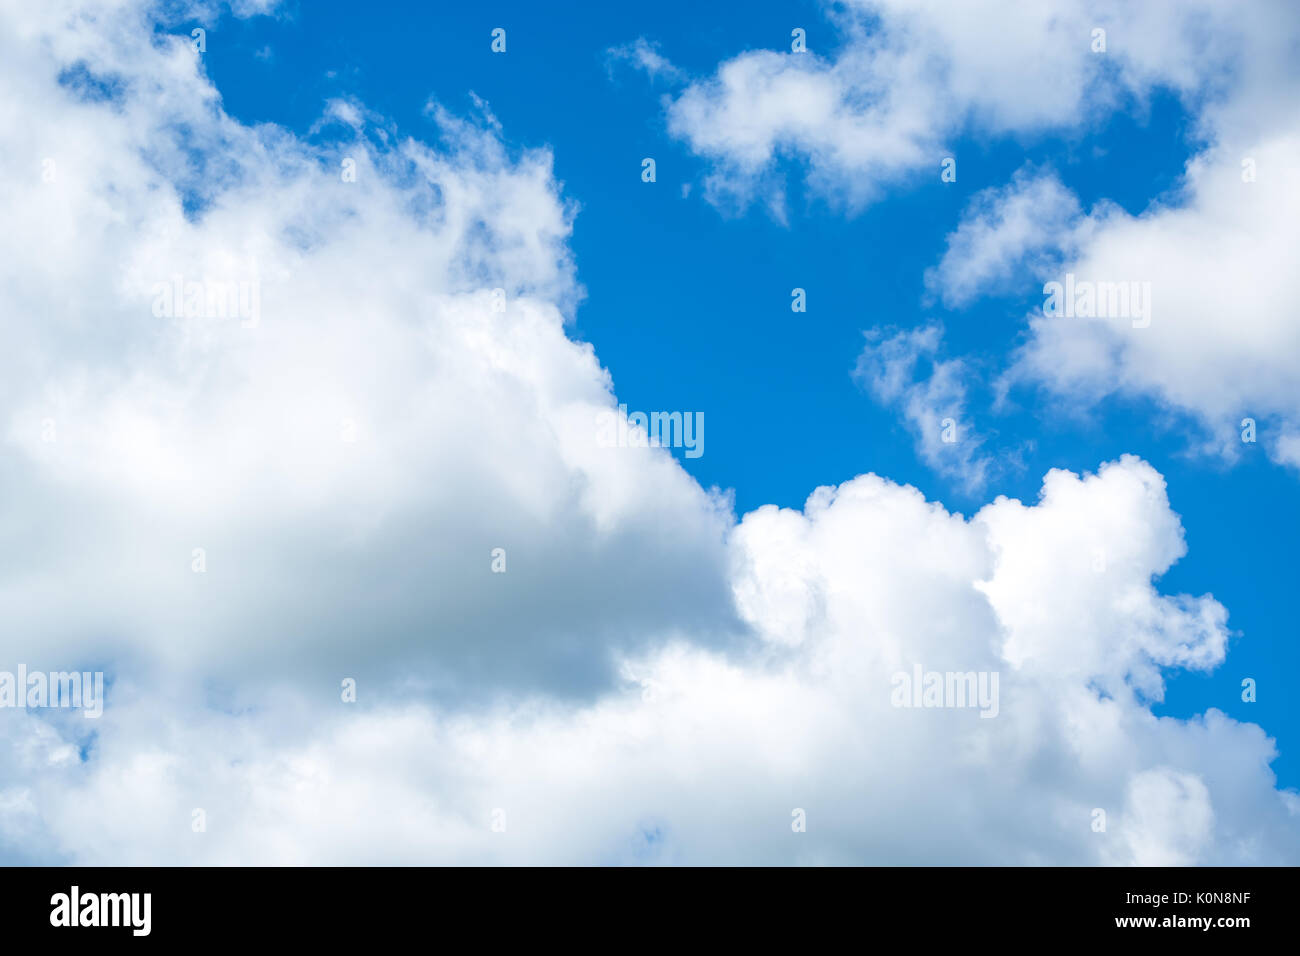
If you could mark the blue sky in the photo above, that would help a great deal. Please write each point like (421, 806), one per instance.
(313, 328)
(688, 306)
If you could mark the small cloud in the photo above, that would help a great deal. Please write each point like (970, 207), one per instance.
(1007, 235)
(644, 55)
(892, 369)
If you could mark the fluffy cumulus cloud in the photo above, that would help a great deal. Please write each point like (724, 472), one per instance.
(879, 97)
(1221, 341)
(1190, 303)
(335, 369)
(392, 396)
(706, 757)
(1004, 234)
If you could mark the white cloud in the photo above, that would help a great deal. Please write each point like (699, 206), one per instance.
(702, 757)
(1170, 817)
(648, 681)
(902, 369)
(1074, 597)
(372, 436)
(1223, 342)
(645, 56)
(1004, 234)
(908, 77)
